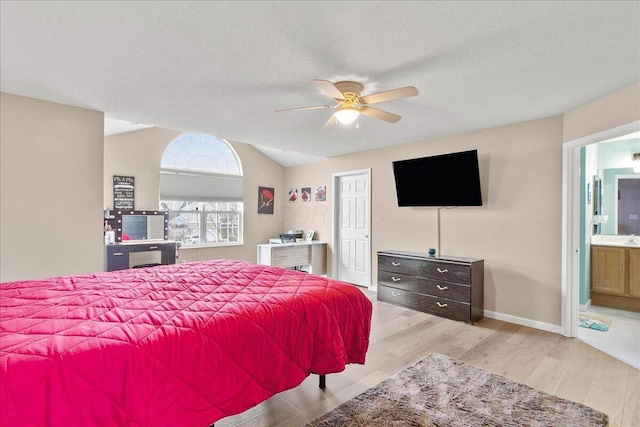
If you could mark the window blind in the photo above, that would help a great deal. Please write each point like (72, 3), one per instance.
(190, 186)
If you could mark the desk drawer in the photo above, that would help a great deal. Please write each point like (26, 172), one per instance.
(444, 307)
(397, 296)
(291, 256)
(116, 257)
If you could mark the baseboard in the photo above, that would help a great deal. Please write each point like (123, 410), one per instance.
(585, 306)
(556, 329)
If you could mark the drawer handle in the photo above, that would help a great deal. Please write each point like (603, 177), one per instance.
(442, 271)
(153, 247)
(443, 288)
(118, 253)
(395, 294)
(440, 305)
(395, 279)
(395, 264)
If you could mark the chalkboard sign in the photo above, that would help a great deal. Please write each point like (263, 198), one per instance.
(123, 192)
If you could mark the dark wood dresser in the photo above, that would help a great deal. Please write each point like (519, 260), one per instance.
(450, 287)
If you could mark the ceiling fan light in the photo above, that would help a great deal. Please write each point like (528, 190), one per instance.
(346, 115)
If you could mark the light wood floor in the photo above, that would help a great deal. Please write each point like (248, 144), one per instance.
(562, 366)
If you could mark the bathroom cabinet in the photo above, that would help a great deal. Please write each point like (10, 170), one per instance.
(615, 277)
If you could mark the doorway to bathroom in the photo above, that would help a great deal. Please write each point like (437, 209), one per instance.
(605, 265)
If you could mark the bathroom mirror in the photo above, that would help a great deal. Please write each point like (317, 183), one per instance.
(611, 180)
(620, 202)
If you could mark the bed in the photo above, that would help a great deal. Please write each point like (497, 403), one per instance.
(173, 345)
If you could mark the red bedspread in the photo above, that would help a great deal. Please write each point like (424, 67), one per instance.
(175, 345)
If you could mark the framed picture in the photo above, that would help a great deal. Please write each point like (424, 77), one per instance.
(306, 194)
(310, 234)
(321, 193)
(265, 200)
(293, 194)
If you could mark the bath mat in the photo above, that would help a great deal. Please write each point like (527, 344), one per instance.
(596, 323)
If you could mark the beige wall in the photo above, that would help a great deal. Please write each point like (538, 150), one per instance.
(50, 189)
(614, 110)
(136, 154)
(517, 231)
(139, 153)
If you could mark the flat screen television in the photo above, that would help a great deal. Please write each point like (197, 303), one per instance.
(445, 180)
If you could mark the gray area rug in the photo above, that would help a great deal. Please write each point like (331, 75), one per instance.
(441, 391)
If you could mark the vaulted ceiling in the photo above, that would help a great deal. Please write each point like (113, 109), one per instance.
(223, 68)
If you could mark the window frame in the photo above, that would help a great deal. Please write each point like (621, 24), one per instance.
(201, 203)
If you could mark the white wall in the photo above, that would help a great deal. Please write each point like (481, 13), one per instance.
(50, 189)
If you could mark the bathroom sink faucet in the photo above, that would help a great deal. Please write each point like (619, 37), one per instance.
(632, 240)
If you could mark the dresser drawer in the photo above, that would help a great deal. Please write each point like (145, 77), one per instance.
(450, 291)
(400, 265)
(400, 281)
(448, 272)
(433, 269)
(444, 307)
(397, 296)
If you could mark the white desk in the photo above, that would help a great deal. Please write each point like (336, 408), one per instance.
(311, 254)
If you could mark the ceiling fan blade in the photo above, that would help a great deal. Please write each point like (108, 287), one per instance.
(379, 114)
(389, 95)
(330, 89)
(330, 123)
(317, 107)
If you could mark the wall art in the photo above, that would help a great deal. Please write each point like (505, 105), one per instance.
(321, 193)
(265, 200)
(306, 194)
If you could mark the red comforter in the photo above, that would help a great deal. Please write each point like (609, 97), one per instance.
(175, 345)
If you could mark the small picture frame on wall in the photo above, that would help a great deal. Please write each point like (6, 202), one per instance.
(265, 200)
(310, 234)
(293, 194)
(321, 193)
(306, 194)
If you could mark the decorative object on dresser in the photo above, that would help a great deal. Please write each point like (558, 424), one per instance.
(451, 287)
(442, 391)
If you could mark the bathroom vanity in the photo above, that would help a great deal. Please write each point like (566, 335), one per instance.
(615, 274)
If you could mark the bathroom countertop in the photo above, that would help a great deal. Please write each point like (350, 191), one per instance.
(616, 244)
(614, 240)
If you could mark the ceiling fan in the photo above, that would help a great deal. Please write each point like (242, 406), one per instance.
(350, 104)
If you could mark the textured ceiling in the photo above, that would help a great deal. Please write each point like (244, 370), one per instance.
(224, 67)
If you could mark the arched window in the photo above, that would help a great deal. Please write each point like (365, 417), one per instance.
(201, 187)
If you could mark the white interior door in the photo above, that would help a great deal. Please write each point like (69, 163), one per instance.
(352, 249)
